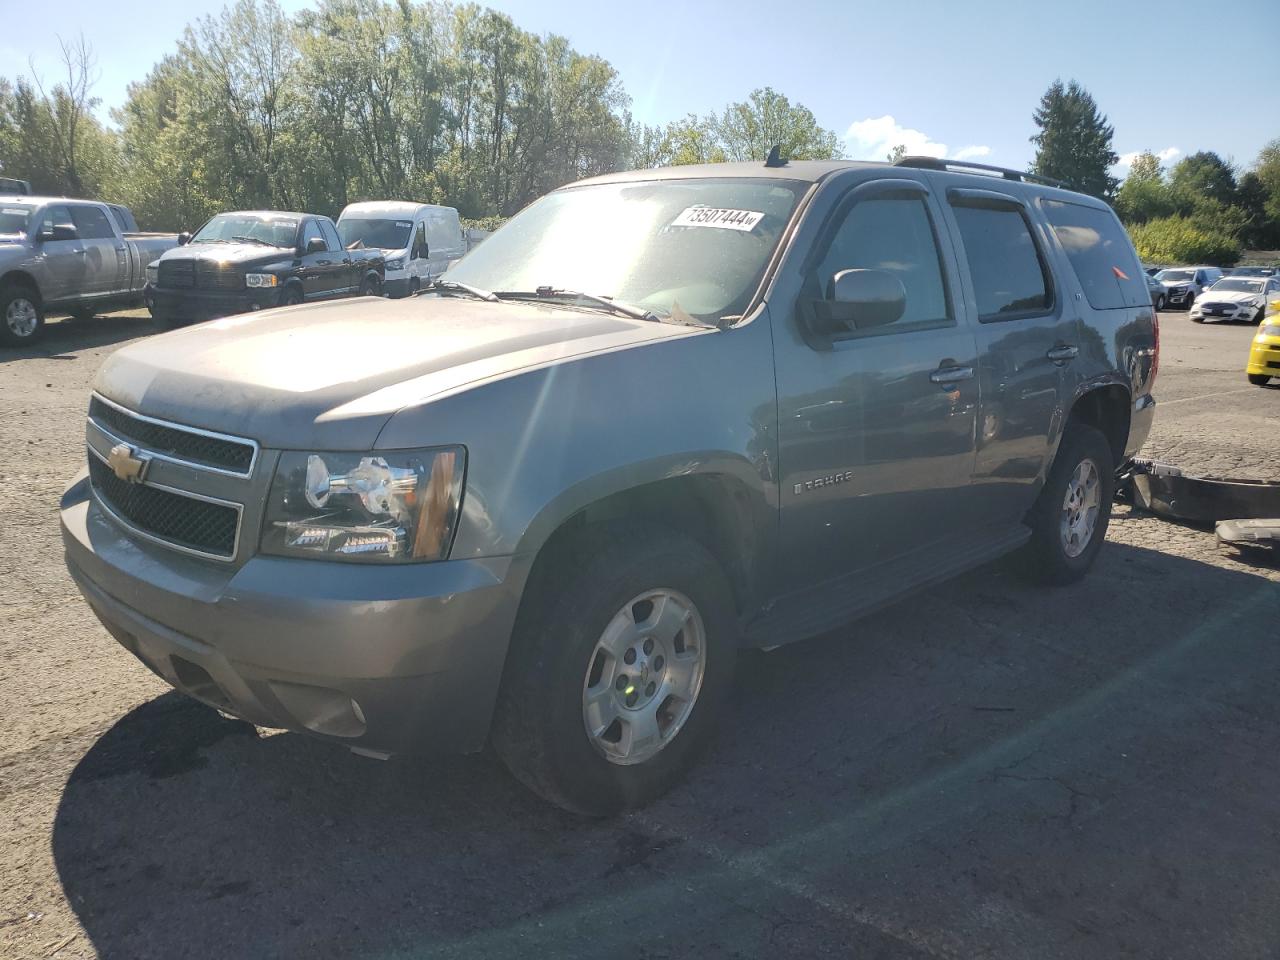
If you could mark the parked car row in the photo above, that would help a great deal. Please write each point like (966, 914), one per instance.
(1236, 298)
(80, 257)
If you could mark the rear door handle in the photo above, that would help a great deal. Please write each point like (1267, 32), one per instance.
(1063, 352)
(948, 374)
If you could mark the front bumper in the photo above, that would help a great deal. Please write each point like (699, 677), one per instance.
(387, 660)
(1264, 355)
(1239, 313)
(397, 287)
(1179, 298)
(197, 304)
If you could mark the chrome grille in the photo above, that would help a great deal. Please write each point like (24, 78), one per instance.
(200, 526)
(199, 447)
(214, 276)
(1222, 307)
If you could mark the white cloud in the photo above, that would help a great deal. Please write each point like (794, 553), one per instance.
(1164, 156)
(874, 137)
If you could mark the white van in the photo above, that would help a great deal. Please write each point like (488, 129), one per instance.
(419, 240)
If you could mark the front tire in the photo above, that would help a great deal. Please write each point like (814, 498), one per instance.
(21, 319)
(621, 660)
(1259, 379)
(1159, 302)
(1069, 520)
(291, 296)
(370, 287)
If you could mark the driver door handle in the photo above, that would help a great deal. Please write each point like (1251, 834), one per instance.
(951, 374)
(1063, 352)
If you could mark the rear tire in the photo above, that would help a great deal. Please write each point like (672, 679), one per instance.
(588, 651)
(1259, 379)
(1070, 517)
(21, 318)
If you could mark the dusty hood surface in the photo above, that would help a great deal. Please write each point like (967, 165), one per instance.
(328, 376)
(228, 252)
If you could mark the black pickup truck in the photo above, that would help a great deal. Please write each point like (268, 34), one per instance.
(251, 260)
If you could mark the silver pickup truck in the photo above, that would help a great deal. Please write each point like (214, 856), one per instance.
(69, 256)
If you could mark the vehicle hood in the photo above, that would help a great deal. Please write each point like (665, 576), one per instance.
(330, 375)
(239, 253)
(1229, 296)
(1170, 284)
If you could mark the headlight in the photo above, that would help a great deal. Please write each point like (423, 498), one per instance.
(260, 280)
(396, 264)
(397, 506)
(153, 273)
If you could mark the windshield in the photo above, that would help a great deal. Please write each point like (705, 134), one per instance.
(380, 234)
(699, 246)
(1238, 286)
(234, 227)
(1175, 275)
(14, 219)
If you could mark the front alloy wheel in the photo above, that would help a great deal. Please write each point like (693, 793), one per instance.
(21, 318)
(644, 676)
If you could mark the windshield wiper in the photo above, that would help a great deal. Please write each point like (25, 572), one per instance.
(265, 243)
(453, 286)
(608, 303)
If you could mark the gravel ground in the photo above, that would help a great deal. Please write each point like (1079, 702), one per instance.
(987, 770)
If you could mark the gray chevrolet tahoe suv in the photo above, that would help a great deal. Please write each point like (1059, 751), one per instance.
(658, 417)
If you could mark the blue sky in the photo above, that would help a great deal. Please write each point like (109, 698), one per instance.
(942, 77)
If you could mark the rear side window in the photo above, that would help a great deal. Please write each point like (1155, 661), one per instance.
(894, 235)
(1100, 253)
(91, 223)
(1009, 275)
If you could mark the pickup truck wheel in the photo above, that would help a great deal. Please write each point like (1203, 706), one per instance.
(370, 287)
(618, 668)
(21, 320)
(1069, 520)
(291, 296)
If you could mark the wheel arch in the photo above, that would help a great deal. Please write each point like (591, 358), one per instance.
(24, 279)
(1107, 407)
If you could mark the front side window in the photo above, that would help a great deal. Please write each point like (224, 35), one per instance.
(91, 223)
(330, 235)
(59, 218)
(310, 232)
(1008, 273)
(698, 246)
(1100, 254)
(896, 236)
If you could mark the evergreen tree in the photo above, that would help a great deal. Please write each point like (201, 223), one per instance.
(1074, 142)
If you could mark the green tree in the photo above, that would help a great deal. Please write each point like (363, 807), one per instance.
(748, 130)
(1074, 140)
(1203, 174)
(1144, 195)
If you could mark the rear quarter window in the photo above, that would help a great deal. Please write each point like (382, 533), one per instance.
(1100, 254)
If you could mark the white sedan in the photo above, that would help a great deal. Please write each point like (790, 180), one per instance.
(1236, 298)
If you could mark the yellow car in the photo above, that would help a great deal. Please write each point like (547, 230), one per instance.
(1264, 352)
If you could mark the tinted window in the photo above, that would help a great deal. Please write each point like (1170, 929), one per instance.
(330, 235)
(1100, 254)
(310, 232)
(123, 218)
(1008, 274)
(91, 223)
(893, 235)
(59, 218)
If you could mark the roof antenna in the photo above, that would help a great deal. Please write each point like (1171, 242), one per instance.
(775, 159)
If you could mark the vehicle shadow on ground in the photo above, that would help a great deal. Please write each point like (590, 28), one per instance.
(64, 337)
(987, 767)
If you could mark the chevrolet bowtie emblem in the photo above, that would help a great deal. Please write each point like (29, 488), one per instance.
(126, 464)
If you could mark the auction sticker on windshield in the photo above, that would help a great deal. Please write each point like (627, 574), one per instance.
(699, 216)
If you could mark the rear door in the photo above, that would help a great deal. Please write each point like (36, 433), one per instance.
(875, 426)
(63, 255)
(105, 254)
(1028, 339)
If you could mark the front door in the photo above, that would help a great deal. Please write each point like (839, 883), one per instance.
(317, 265)
(343, 267)
(63, 254)
(876, 426)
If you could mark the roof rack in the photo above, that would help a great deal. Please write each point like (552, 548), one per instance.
(936, 163)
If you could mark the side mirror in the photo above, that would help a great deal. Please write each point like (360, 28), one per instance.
(864, 299)
(317, 245)
(46, 232)
(184, 238)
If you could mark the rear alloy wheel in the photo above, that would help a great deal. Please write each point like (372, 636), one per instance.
(1259, 379)
(620, 663)
(1070, 518)
(20, 318)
